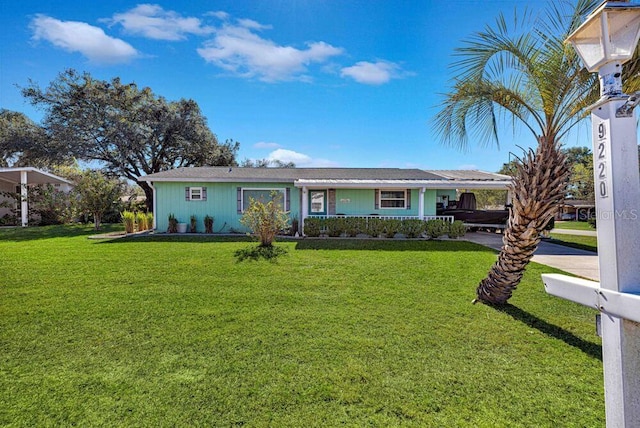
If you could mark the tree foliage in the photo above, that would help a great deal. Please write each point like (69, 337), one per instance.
(266, 163)
(20, 139)
(581, 184)
(266, 219)
(128, 130)
(96, 194)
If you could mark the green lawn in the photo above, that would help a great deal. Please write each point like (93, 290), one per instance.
(174, 331)
(589, 243)
(573, 225)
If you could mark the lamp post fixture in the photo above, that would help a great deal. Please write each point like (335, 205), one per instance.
(605, 41)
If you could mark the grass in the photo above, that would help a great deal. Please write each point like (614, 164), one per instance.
(174, 331)
(589, 243)
(573, 225)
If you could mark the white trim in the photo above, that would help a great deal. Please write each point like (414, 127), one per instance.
(404, 199)
(200, 197)
(406, 184)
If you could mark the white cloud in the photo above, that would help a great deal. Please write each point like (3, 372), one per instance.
(90, 41)
(239, 50)
(265, 145)
(299, 159)
(153, 22)
(371, 73)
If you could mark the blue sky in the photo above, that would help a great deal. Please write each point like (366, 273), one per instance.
(318, 82)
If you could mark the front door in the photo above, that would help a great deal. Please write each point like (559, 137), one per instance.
(318, 202)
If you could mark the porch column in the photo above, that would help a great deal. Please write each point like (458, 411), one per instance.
(24, 204)
(421, 203)
(305, 208)
(154, 208)
(509, 196)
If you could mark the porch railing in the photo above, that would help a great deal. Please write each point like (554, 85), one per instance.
(448, 218)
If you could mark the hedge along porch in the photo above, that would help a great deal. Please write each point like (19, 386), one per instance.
(224, 192)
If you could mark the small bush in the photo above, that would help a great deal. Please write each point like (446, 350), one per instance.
(270, 253)
(173, 224)
(375, 227)
(208, 224)
(129, 220)
(149, 220)
(141, 221)
(312, 227)
(334, 226)
(436, 228)
(266, 220)
(457, 229)
(413, 228)
(391, 227)
(193, 224)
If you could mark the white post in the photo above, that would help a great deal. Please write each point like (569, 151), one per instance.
(617, 185)
(305, 208)
(24, 204)
(421, 203)
(154, 208)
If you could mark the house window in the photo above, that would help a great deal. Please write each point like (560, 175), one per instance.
(262, 195)
(195, 193)
(393, 199)
(317, 202)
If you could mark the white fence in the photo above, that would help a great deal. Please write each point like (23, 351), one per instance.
(448, 218)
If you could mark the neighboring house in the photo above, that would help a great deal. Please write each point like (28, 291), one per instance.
(17, 180)
(576, 209)
(224, 192)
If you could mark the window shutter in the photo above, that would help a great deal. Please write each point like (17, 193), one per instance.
(287, 203)
(186, 193)
(376, 201)
(204, 193)
(239, 200)
(408, 199)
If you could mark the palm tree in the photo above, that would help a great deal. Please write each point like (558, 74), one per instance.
(525, 73)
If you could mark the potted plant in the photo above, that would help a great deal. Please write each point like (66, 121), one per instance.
(208, 224)
(193, 222)
(173, 224)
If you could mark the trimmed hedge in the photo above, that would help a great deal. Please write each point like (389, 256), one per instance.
(375, 227)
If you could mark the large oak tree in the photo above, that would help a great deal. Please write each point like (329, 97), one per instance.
(130, 131)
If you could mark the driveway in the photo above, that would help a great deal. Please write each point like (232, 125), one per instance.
(578, 262)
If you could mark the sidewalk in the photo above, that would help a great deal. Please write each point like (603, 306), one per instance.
(578, 262)
(574, 232)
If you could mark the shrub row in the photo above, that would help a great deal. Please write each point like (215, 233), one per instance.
(410, 228)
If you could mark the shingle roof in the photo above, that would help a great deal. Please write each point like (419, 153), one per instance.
(463, 174)
(288, 174)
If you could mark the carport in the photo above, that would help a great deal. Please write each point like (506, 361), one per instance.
(22, 178)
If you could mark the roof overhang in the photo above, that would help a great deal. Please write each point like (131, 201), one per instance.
(34, 176)
(405, 184)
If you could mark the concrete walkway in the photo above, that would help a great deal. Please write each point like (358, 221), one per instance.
(578, 262)
(574, 232)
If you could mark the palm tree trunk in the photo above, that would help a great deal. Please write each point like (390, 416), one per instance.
(539, 185)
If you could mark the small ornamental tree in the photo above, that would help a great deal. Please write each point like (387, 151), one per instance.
(266, 219)
(96, 194)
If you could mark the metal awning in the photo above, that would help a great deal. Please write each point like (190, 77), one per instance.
(24, 177)
(34, 176)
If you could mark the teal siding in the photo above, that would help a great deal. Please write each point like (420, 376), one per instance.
(430, 202)
(221, 204)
